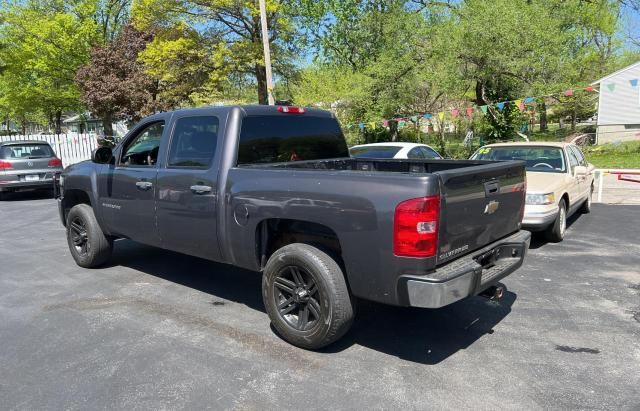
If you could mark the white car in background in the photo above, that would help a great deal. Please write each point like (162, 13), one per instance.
(413, 151)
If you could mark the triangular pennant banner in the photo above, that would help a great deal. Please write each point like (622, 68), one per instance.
(385, 123)
(634, 82)
(568, 93)
(414, 119)
(611, 86)
(588, 88)
(441, 115)
(484, 109)
(372, 125)
(401, 123)
(469, 111)
(454, 113)
(528, 100)
(500, 105)
(520, 104)
(427, 116)
(361, 125)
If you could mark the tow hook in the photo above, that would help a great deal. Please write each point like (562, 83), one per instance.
(495, 292)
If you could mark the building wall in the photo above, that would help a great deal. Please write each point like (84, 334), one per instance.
(615, 133)
(622, 105)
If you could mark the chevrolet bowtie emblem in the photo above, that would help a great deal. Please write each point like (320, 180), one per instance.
(491, 207)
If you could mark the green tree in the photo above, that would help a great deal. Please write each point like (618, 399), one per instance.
(199, 46)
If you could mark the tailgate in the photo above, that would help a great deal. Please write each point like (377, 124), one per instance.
(480, 205)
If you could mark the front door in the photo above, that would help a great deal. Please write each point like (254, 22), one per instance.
(128, 194)
(187, 189)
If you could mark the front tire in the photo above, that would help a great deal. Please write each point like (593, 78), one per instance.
(306, 296)
(555, 233)
(89, 246)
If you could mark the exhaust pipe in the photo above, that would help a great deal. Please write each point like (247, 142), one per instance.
(495, 292)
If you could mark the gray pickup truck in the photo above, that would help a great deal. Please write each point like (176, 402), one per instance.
(272, 189)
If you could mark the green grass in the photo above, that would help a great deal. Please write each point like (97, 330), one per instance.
(614, 155)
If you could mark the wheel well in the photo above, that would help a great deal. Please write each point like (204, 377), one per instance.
(565, 196)
(72, 198)
(275, 233)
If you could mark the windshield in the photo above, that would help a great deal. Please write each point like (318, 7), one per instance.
(538, 158)
(15, 151)
(375, 151)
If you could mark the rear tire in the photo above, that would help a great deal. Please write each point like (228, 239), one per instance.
(555, 233)
(88, 245)
(306, 296)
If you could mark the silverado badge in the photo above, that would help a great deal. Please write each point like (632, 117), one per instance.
(491, 207)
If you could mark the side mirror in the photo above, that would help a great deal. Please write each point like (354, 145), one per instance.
(580, 171)
(102, 155)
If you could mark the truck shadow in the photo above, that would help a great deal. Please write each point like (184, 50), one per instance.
(418, 335)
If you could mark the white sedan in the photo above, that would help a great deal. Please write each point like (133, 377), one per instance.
(411, 151)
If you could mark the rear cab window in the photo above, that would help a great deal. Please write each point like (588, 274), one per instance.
(289, 137)
(18, 151)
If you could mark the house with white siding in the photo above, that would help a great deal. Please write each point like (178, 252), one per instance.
(619, 105)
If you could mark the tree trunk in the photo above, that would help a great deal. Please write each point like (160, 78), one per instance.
(58, 122)
(261, 77)
(543, 117)
(107, 124)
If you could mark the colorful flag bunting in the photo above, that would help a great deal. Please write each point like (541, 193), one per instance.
(427, 116)
(568, 93)
(385, 123)
(401, 123)
(520, 104)
(372, 125)
(361, 125)
(441, 115)
(414, 119)
(611, 86)
(634, 82)
(484, 109)
(500, 105)
(529, 100)
(455, 112)
(469, 111)
(588, 88)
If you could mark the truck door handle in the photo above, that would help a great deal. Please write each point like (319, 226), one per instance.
(144, 185)
(199, 189)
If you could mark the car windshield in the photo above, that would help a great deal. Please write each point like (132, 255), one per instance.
(538, 158)
(16, 151)
(375, 151)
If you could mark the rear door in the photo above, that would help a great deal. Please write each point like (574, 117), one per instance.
(128, 187)
(479, 205)
(187, 187)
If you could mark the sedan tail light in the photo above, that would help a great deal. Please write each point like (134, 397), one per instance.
(415, 227)
(5, 165)
(55, 162)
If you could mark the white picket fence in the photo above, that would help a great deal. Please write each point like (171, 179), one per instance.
(70, 148)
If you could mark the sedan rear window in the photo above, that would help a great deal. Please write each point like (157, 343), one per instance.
(538, 158)
(16, 151)
(290, 137)
(375, 151)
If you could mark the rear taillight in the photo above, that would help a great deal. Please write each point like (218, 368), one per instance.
(291, 110)
(5, 165)
(415, 227)
(55, 162)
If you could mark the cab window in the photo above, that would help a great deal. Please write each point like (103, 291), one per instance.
(142, 149)
(193, 144)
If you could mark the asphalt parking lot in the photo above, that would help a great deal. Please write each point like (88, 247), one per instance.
(158, 330)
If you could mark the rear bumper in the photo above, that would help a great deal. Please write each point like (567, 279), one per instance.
(26, 185)
(466, 276)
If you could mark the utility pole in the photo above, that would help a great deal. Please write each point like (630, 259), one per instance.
(267, 51)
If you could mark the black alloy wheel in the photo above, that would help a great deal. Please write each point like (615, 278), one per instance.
(79, 236)
(296, 297)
